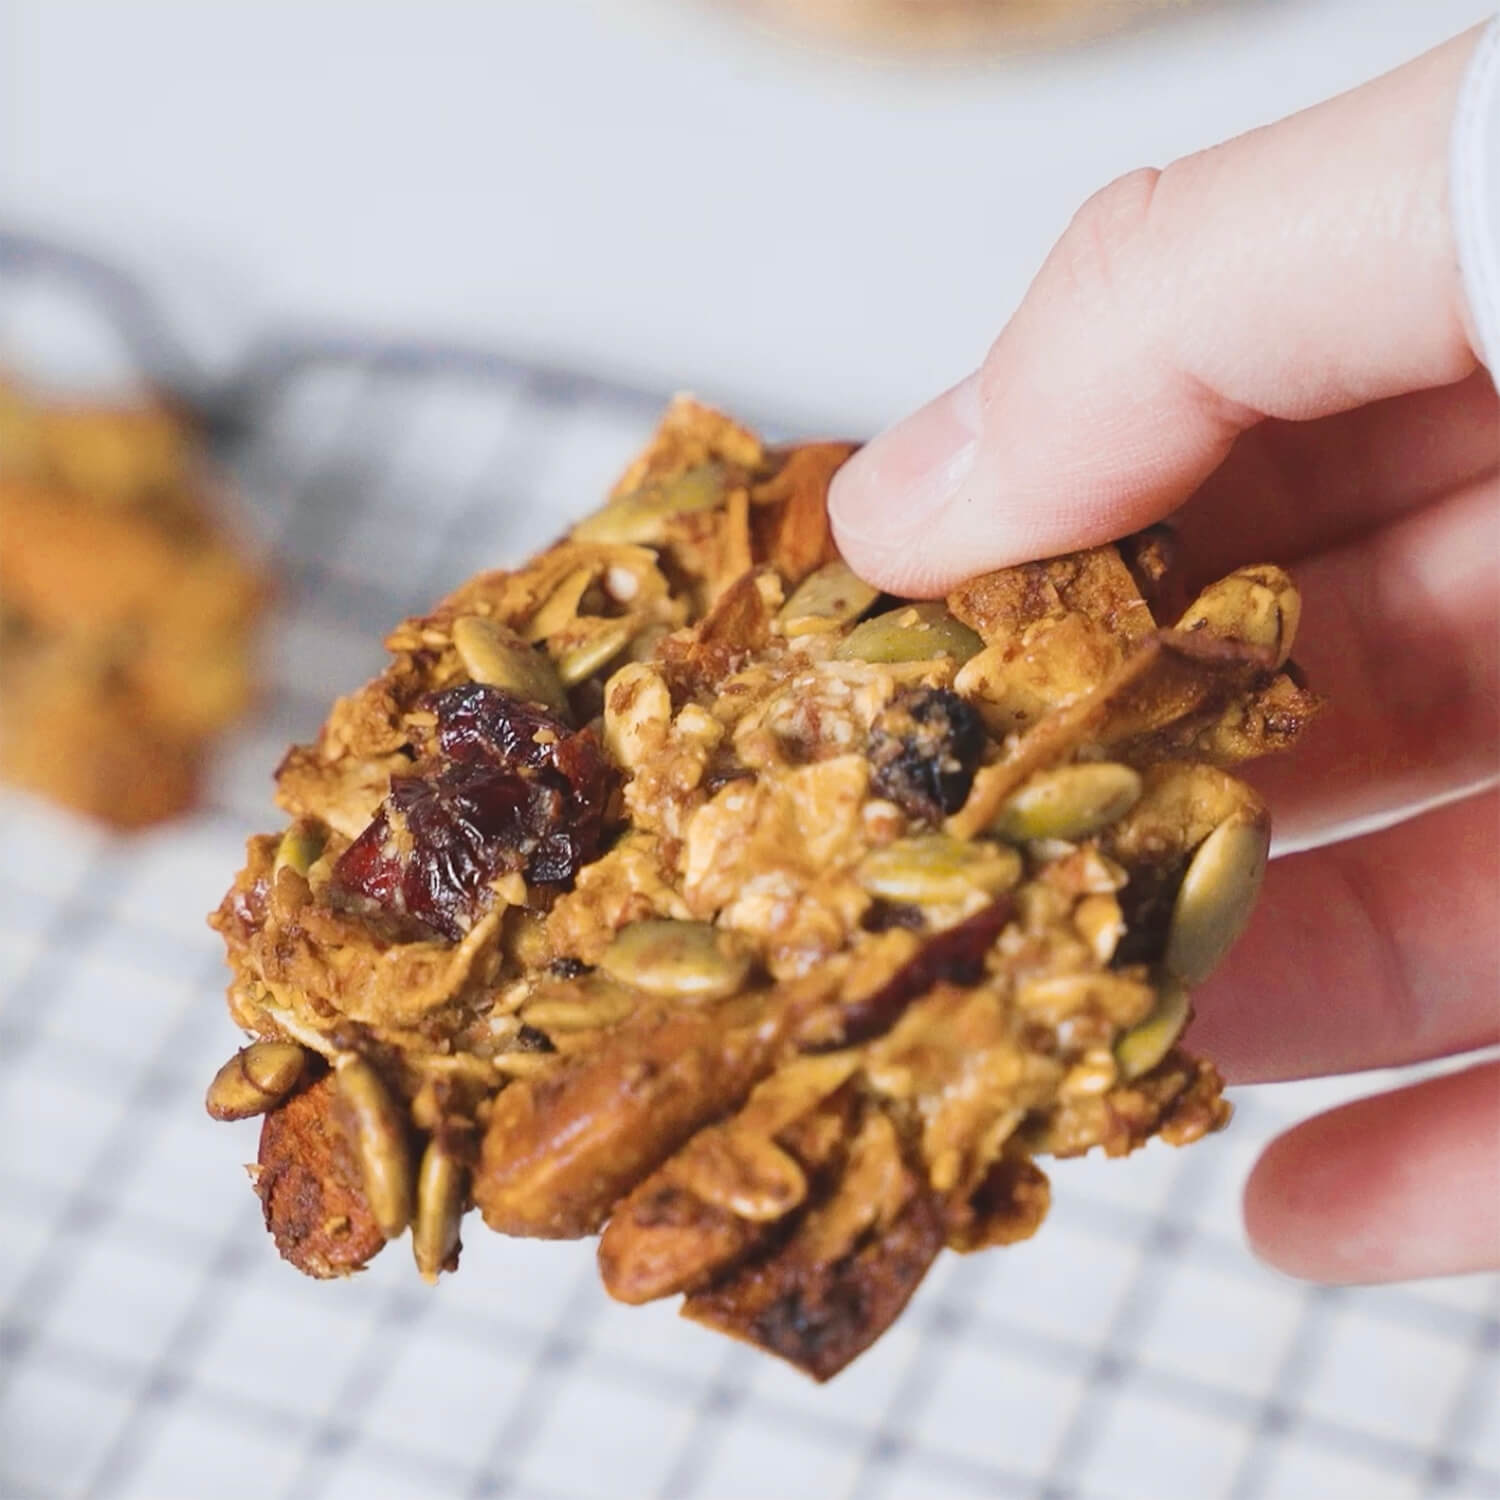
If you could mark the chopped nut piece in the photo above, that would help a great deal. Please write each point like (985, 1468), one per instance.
(309, 1185)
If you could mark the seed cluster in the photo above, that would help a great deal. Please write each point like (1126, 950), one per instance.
(679, 888)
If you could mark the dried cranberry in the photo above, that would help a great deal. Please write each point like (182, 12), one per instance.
(480, 723)
(955, 956)
(924, 750)
(511, 789)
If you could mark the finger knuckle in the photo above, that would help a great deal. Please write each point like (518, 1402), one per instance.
(1105, 248)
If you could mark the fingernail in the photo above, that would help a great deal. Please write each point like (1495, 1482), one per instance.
(897, 483)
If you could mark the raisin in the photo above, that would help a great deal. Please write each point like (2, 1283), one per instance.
(924, 750)
(882, 916)
(511, 789)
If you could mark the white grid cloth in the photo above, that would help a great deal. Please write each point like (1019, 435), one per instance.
(152, 1345)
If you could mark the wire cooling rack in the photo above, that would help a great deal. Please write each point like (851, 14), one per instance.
(152, 1345)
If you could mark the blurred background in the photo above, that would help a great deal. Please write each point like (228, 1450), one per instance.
(419, 278)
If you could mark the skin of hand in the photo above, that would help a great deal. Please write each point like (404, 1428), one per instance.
(1269, 342)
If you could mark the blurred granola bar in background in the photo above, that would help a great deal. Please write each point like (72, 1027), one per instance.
(127, 607)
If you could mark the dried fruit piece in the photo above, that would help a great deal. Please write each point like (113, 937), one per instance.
(955, 956)
(792, 974)
(512, 789)
(924, 750)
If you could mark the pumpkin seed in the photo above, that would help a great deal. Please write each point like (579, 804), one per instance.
(255, 1079)
(932, 869)
(1216, 897)
(1070, 802)
(592, 1004)
(378, 1133)
(827, 598)
(1140, 1049)
(299, 848)
(912, 632)
(561, 607)
(677, 960)
(1258, 604)
(440, 1208)
(643, 514)
(599, 648)
(495, 656)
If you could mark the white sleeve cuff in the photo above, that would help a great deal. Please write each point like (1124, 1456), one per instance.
(1475, 193)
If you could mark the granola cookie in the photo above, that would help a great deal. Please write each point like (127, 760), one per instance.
(678, 888)
(125, 609)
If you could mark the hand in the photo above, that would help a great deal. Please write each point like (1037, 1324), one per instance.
(1272, 336)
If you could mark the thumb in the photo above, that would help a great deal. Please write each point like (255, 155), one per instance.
(1303, 269)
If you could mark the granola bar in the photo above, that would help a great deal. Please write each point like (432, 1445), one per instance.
(679, 888)
(125, 609)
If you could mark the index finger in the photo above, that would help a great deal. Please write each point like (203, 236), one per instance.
(1300, 270)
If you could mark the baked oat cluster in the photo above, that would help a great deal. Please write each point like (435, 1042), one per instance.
(125, 608)
(680, 888)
